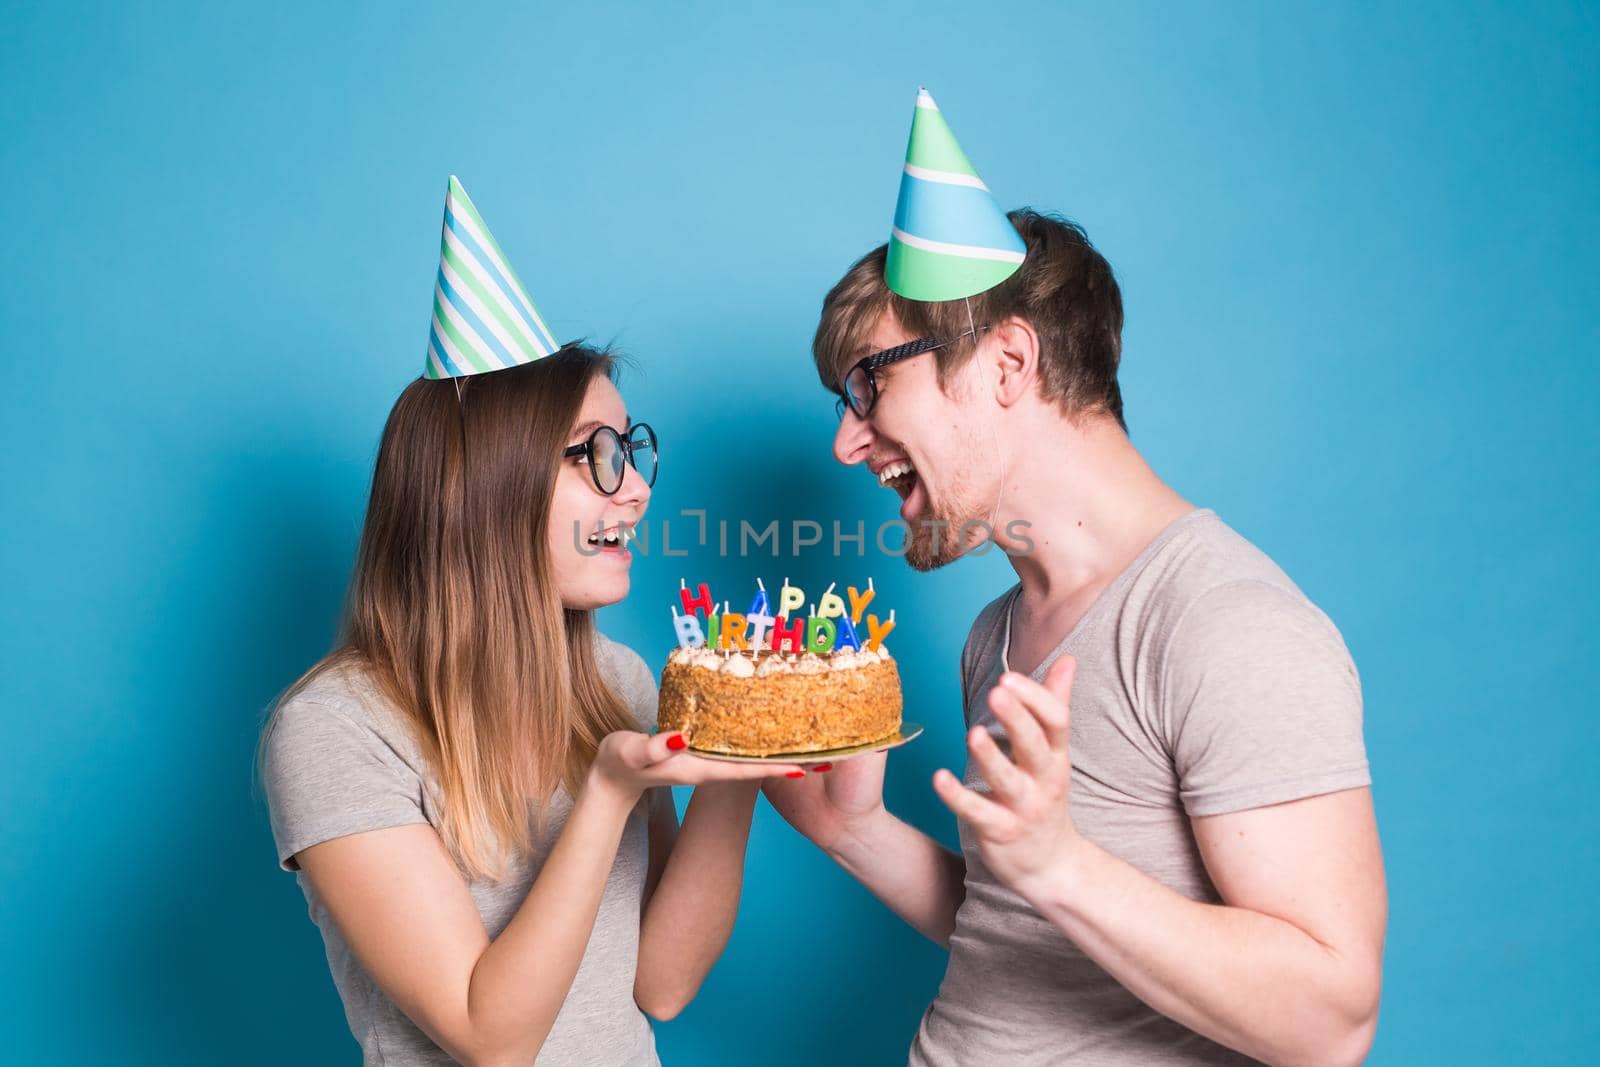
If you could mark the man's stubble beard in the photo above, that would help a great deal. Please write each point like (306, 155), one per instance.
(921, 553)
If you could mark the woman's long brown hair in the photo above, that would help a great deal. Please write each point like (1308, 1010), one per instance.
(452, 608)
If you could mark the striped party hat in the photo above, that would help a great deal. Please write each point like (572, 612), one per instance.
(950, 239)
(483, 319)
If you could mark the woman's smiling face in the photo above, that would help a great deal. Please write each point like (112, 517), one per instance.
(589, 555)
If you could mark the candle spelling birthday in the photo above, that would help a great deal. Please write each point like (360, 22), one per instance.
(829, 625)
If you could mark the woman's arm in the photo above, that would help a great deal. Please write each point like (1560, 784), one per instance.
(403, 906)
(400, 901)
(689, 916)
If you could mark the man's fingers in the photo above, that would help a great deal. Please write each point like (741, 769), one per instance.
(1058, 679)
(984, 815)
(1030, 746)
(1045, 704)
(1004, 779)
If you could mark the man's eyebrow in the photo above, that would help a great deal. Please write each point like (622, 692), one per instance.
(849, 360)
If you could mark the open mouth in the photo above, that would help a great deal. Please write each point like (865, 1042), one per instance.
(614, 538)
(899, 476)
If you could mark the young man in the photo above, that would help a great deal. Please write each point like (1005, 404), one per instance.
(1169, 854)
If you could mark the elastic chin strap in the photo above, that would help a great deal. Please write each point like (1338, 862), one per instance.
(994, 433)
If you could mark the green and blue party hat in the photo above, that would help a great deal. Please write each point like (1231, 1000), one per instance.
(950, 239)
(483, 318)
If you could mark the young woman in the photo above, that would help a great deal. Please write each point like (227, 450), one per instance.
(467, 785)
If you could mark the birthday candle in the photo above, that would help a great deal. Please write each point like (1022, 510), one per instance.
(701, 601)
(820, 634)
(732, 628)
(859, 601)
(758, 622)
(758, 605)
(688, 629)
(830, 605)
(793, 635)
(877, 631)
(846, 634)
(789, 598)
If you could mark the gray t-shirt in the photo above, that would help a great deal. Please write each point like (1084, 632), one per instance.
(340, 761)
(1206, 683)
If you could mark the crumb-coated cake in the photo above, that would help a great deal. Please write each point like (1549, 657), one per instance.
(764, 703)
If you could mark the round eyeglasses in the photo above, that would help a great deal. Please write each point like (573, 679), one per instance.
(610, 454)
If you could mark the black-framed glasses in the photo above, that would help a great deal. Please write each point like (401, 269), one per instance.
(860, 387)
(611, 453)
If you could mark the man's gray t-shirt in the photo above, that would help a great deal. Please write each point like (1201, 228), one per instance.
(1206, 683)
(339, 760)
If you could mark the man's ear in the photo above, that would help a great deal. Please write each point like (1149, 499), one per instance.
(1014, 352)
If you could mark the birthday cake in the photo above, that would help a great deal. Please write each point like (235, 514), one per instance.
(761, 685)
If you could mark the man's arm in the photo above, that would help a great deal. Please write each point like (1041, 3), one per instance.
(1287, 970)
(841, 811)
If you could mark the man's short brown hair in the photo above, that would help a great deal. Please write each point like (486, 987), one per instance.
(1064, 289)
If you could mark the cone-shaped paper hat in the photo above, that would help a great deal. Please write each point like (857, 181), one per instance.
(950, 238)
(483, 319)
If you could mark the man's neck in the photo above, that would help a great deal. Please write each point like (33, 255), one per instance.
(1093, 504)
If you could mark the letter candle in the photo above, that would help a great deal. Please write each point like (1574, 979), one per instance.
(732, 628)
(758, 605)
(830, 626)
(846, 637)
(758, 622)
(793, 635)
(829, 604)
(877, 631)
(858, 602)
(820, 634)
(688, 629)
(701, 600)
(790, 597)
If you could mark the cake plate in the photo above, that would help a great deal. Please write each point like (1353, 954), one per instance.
(908, 732)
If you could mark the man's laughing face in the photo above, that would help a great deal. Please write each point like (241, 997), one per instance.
(932, 448)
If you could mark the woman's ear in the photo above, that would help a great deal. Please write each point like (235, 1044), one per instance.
(1014, 350)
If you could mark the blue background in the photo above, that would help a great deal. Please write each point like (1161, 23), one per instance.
(1358, 250)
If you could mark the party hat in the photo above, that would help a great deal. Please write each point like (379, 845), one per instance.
(483, 319)
(950, 238)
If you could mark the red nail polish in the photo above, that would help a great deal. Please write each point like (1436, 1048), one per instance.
(677, 743)
(819, 768)
(795, 774)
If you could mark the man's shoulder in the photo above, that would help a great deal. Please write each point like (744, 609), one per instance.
(1204, 556)
(1211, 580)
